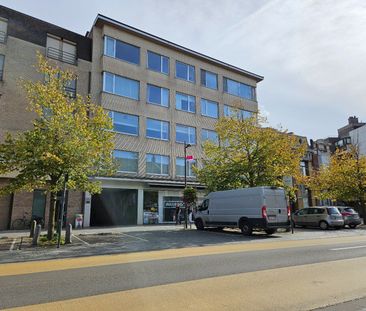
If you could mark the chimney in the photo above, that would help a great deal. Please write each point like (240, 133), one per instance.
(353, 120)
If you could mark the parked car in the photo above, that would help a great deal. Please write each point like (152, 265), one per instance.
(257, 208)
(350, 216)
(319, 216)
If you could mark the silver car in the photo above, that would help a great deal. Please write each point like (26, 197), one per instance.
(319, 216)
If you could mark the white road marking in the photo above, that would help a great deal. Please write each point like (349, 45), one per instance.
(76, 237)
(135, 237)
(12, 245)
(345, 248)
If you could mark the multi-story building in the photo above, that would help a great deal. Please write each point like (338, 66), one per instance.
(21, 37)
(159, 95)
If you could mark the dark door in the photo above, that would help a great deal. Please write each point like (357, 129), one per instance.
(114, 207)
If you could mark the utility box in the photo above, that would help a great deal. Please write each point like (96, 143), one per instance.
(78, 221)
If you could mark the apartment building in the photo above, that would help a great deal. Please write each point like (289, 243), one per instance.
(159, 95)
(21, 37)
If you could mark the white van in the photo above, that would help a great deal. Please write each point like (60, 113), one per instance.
(258, 208)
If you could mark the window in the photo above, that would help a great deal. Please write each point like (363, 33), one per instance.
(239, 89)
(157, 95)
(237, 113)
(209, 108)
(209, 79)
(121, 86)
(127, 161)
(157, 129)
(185, 134)
(2, 60)
(125, 123)
(157, 164)
(121, 50)
(209, 135)
(184, 71)
(70, 88)
(61, 49)
(3, 30)
(179, 167)
(157, 62)
(185, 102)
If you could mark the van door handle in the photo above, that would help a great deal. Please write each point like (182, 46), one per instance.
(208, 212)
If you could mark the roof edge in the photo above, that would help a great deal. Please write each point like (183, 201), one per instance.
(145, 34)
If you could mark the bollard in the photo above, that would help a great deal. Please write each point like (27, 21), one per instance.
(32, 228)
(36, 235)
(68, 239)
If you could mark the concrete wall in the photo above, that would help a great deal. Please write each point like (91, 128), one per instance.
(358, 137)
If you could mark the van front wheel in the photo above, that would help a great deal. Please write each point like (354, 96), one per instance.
(270, 231)
(246, 228)
(199, 224)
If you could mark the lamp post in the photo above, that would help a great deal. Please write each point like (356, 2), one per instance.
(62, 211)
(185, 182)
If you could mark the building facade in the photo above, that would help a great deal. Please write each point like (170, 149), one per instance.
(21, 37)
(159, 95)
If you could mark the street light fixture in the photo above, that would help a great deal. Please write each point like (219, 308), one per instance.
(185, 182)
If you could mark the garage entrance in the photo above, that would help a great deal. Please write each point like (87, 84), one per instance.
(114, 207)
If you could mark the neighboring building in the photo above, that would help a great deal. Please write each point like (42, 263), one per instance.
(358, 138)
(159, 95)
(21, 36)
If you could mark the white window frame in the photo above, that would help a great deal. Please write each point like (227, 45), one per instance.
(114, 85)
(124, 133)
(188, 96)
(188, 69)
(161, 129)
(204, 113)
(161, 164)
(190, 172)
(161, 62)
(189, 134)
(161, 95)
(128, 172)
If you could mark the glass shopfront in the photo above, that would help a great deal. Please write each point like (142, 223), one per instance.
(169, 204)
(151, 207)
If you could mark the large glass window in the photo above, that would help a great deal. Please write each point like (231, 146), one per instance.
(209, 108)
(185, 134)
(237, 113)
(185, 71)
(209, 135)
(127, 161)
(239, 89)
(157, 129)
(61, 49)
(121, 50)
(185, 102)
(3, 30)
(157, 62)
(125, 123)
(209, 79)
(157, 95)
(157, 164)
(121, 86)
(179, 167)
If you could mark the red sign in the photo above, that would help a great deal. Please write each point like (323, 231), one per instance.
(189, 157)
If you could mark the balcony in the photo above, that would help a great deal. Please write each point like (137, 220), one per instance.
(71, 92)
(62, 56)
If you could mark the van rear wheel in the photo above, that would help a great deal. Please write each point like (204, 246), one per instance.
(199, 224)
(323, 225)
(246, 229)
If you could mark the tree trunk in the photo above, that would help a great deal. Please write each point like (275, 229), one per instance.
(363, 209)
(51, 218)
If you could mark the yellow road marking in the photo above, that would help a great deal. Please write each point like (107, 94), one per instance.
(292, 288)
(102, 260)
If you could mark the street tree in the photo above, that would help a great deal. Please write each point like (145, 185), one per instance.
(344, 179)
(71, 139)
(249, 154)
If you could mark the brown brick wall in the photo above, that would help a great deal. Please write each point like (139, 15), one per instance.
(74, 206)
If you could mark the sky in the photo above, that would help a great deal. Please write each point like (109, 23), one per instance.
(312, 53)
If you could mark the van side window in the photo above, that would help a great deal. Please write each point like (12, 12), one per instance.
(204, 205)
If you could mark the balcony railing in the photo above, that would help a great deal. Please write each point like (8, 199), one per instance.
(71, 92)
(2, 36)
(62, 56)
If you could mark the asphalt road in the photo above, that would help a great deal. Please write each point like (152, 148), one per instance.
(42, 287)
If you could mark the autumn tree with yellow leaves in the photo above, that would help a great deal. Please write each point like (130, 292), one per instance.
(344, 179)
(70, 137)
(250, 155)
